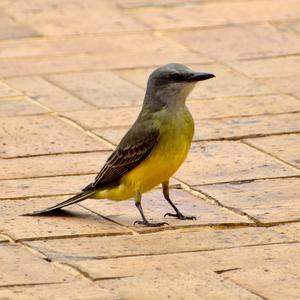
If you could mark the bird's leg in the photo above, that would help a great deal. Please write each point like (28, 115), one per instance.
(178, 214)
(138, 198)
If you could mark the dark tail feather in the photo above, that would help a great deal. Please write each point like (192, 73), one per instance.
(73, 200)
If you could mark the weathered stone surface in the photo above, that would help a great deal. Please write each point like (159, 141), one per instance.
(246, 126)
(72, 250)
(3, 239)
(113, 135)
(6, 91)
(284, 281)
(59, 185)
(272, 200)
(22, 267)
(102, 89)
(290, 229)
(75, 222)
(155, 206)
(52, 165)
(220, 42)
(19, 107)
(68, 291)
(211, 162)
(36, 135)
(286, 147)
(48, 94)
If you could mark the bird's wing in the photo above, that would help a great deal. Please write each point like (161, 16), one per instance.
(132, 150)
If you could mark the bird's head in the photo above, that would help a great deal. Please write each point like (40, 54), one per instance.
(172, 83)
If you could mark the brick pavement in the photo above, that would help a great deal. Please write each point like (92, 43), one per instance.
(72, 78)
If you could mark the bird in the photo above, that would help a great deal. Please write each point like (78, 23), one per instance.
(154, 147)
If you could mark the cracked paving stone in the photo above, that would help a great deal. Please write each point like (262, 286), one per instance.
(290, 229)
(3, 239)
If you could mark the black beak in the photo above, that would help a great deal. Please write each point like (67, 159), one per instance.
(198, 76)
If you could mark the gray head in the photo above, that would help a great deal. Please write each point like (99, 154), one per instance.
(170, 84)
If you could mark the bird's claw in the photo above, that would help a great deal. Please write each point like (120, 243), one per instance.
(148, 224)
(180, 216)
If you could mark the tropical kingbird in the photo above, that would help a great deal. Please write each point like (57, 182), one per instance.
(153, 148)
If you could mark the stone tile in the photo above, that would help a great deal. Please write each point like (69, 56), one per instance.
(276, 67)
(72, 223)
(48, 94)
(6, 91)
(53, 165)
(223, 161)
(219, 42)
(290, 229)
(91, 248)
(128, 4)
(227, 83)
(162, 284)
(102, 89)
(286, 147)
(3, 239)
(22, 267)
(19, 107)
(17, 32)
(113, 135)
(59, 185)
(217, 260)
(269, 201)
(105, 118)
(284, 281)
(115, 52)
(70, 290)
(155, 206)
(36, 135)
(236, 128)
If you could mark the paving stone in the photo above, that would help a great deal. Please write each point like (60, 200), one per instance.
(6, 91)
(113, 135)
(22, 267)
(3, 239)
(48, 94)
(286, 147)
(147, 3)
(246, 126)
(290, 229)
(19, 107)
(102, 89)
(276, 67)
(92, 248)
(77, 222)
(69, 291)
(51, 165)
(284, 281)
(271, 200)
(219, 42)
(217, 260)
(59, 185)
(228, 82)
(36, 135)
(223, 161)
(115, 52)
(155, 206)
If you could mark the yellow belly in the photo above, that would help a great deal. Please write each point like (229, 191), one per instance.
(160, 165)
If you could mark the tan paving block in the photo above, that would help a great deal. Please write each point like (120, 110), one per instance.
(51, 165)
(59, 185)
(219, 42)
(217, 260)
(48, 94)
(36, 135)
(76, 222)
(68, 291)
(290, 229)
(211, 162)
(148, 3)
(272, 200)
(179, 284)
(274, 282)
(22, 267)
(6, 91)
(247, 126)
(115, 52)
(102, 89)
(3, 239)
(197, 240)
(113, 135)
(19, 107)
(155, 206)
(286, 147)
(269, 68)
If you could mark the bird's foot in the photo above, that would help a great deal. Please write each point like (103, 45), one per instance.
(148, 224)
(180, 216)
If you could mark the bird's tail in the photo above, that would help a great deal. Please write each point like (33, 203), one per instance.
(77, 198)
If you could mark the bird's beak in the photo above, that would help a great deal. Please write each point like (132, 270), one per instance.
(198, 76)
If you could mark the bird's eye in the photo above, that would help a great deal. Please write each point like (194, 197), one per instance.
(177, 77)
